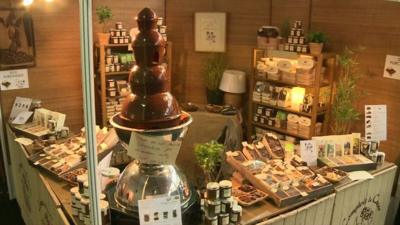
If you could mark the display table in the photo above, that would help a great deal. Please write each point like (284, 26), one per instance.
(45, 200)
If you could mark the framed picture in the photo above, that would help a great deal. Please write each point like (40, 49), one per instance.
(210, 31)
(17, 42)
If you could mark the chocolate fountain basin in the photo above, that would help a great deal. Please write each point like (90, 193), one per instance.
(124, 133)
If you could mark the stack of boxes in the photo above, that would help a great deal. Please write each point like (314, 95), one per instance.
(119, 35)
(296, 41)
(162, 28)
(219, 207)
(80, 202)
(116, 92)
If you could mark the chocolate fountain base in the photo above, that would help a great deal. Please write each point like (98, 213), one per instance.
(191, 213)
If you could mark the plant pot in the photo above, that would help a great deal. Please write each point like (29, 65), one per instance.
(316, 48)
(215, 97)
(103, 38)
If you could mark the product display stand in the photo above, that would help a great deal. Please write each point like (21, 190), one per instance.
(317, 83)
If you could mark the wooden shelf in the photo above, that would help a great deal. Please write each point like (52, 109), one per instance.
(112, 45)
(117, 73)
(327, 60)
(284, 109)
(320, 112)
(280, 130)
(322, 84)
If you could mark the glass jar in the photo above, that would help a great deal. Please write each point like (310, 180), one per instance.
(118, 25)
(226, 205)
(86, 189)
(212, 191)
(225, 189)
(109, 176)
(213, 208)
(236, 214)
(81, 179)
(223, 219)
(211, 220)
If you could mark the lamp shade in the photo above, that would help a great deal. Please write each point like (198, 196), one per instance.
(233, 81)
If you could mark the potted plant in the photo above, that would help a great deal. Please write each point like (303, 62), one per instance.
(346, 94)
(104, 14)
(209, 156)
(316, 40)
(214, 67)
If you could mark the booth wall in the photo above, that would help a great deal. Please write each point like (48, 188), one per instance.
(56, 78)
(353, 23)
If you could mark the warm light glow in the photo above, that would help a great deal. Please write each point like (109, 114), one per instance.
(27, 2)
(49, 0)
(297, 95)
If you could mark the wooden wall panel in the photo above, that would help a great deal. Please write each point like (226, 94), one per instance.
(243, 21)
(125, 11)
(290, 10)
(378, 30)
(56, 79)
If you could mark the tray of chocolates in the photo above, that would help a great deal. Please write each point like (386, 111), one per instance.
(285, 183)
(247, 195)
(71, 176)
(274, 146)
(332, 174)
(348, 163)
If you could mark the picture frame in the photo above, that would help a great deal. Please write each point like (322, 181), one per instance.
(210, 31)
(17, 41)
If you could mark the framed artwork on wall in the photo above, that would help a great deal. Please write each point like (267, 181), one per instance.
(17, 42)
(210, 31)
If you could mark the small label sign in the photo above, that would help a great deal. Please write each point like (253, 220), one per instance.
(14, 79)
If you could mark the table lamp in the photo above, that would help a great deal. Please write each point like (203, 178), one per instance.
(233, 83)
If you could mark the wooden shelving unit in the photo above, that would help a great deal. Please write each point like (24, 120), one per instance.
(323, 59)
(102, 76)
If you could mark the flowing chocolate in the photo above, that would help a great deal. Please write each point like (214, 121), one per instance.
(151, 105)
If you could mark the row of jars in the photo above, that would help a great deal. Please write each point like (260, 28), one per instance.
(219, 206)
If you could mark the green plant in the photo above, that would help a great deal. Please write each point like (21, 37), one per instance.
(346, 94)
(104, 14)
(317, 37)
(213, 69)
(285, 29)
(209, 156)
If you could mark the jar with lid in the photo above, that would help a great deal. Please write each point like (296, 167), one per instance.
(115, 58)
(212, 191)
(236, 214)
(223, 219)
(109, 59)
(121, 40)
(118, 25)
(86, 189)
(123, 32)
(211, 220)
(213, 208)
(225, 189)
(109, 176)
(105, 212)
(117, 33)
(81, 179)
(115, 40)
(226, 205)
(73, 191)
(117, 67)
(85, 206)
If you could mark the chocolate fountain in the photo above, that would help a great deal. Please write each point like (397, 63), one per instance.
(149, 113)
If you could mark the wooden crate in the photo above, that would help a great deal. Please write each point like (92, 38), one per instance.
(280, 202)
(366, 201)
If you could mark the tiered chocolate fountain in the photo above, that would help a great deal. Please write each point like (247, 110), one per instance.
(153, 113)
